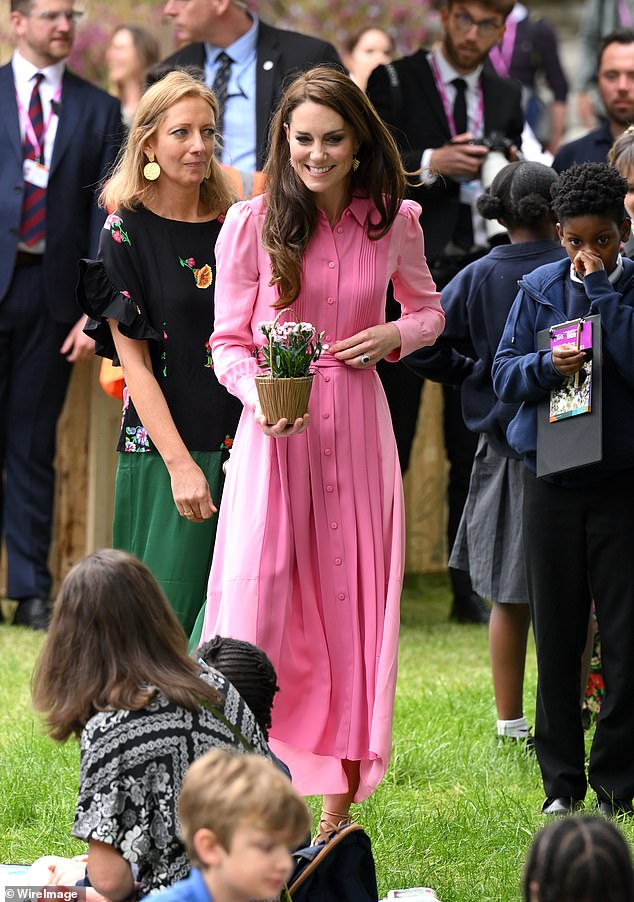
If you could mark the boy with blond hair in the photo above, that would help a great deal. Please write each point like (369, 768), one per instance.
(240, 817)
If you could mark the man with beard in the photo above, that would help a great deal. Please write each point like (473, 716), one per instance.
(616, 88)
(440, 104)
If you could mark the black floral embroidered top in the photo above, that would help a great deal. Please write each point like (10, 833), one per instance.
(156, 278)
(132, 767)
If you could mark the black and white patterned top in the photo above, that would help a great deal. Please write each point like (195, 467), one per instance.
(131, 771)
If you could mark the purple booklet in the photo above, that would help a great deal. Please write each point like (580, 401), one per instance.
(574, 396)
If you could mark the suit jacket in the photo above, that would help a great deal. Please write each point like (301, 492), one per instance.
(591, 148)
(290, 53)
(414, 111)
(86, 143)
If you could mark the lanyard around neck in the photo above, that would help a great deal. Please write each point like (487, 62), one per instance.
(448, 108)
(502, 54)
(27, 125)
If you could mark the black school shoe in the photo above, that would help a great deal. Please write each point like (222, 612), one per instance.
(470, 609)
(614, 809)
(560, 806)
(526, 743)
(33, 612)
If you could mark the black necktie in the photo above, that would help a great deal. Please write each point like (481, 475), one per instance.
(463, 235)
(460, 106)
(220, 88)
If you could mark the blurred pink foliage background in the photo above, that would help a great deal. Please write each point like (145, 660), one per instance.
(410, 23)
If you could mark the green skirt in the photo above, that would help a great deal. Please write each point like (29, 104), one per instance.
(147, 524)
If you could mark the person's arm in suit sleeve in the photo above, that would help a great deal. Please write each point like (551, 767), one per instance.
(77, 345)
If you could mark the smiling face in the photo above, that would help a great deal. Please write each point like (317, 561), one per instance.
(46, 33)
(183, 143)
(597, 234)
(322, 146)
(255, 867)
(470, 31)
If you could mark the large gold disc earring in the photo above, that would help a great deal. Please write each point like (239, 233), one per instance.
(151, 170)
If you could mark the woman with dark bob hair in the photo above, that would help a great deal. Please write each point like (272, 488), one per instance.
(114, 671)
(318, 583)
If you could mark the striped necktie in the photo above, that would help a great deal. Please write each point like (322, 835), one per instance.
(220, 88)
(32, 227)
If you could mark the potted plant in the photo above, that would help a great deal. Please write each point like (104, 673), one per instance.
(287, 355)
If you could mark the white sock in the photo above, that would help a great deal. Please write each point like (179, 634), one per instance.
(517, 728)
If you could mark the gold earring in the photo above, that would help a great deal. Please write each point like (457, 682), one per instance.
(209, 168)
(151, 170)
(355, 164)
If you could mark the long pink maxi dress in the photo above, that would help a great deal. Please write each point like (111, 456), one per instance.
(309, 553)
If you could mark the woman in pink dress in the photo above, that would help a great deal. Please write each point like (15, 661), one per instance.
(309, 554)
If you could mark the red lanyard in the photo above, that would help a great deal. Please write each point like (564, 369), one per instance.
(502, 54)
(27, 125)
(479, 120)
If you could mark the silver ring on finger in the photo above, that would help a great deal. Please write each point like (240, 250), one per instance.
(365, 359)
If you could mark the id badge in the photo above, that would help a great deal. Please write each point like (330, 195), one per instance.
(35, 173)
(470, 191)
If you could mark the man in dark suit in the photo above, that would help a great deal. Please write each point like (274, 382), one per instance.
(436, 102)
(58, 140)
(247, 63)
(616, 88)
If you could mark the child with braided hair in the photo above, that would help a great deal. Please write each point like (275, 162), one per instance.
(476, 303)
(578, 524)
(581, 859)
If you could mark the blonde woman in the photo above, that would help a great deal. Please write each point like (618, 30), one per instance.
(150, 297)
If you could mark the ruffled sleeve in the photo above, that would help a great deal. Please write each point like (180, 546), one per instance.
(237, 286)
(109, 288)
(422, 318)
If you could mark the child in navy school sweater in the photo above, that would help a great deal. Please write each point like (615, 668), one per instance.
(578, 525)
(476, 304)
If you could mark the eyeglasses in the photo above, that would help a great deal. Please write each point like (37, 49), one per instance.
(487, 28)
(72, 16)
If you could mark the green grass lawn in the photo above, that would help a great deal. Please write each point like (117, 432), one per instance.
(456, 810)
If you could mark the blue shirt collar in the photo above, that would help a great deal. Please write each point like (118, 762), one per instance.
(241, 50)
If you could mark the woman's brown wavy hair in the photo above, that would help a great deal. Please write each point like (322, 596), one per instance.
(291, 214)
(113, 641)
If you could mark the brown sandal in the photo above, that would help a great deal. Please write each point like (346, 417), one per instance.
(330, 822)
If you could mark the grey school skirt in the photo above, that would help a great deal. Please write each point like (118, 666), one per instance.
(489, 540)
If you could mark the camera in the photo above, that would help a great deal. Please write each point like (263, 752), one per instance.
(498, 156)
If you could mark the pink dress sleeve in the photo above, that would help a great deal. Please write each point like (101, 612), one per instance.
(422, 319)
(237, 287)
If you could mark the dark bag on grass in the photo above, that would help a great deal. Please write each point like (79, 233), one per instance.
(341, 870)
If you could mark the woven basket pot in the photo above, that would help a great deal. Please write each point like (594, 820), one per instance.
(283, 398)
